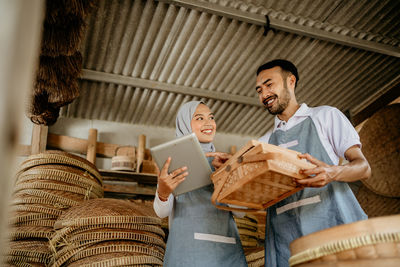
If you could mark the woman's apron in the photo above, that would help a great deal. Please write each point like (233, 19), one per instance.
(202, 235)
(311, 209)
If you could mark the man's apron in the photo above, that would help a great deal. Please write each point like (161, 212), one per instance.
(202, 235)
(308, 210)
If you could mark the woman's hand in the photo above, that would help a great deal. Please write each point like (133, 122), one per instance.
(219, 158)
(319, 176)
(167, 182)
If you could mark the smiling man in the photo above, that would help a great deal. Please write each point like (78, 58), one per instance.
(323, 134)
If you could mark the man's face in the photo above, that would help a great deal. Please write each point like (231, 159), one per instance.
(272, 90)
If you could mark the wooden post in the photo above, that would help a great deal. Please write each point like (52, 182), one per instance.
(92, 146)
(39, 138)
(233, 150)
(21, 26)
(140, 152)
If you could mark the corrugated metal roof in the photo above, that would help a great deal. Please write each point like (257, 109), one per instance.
(143, 59)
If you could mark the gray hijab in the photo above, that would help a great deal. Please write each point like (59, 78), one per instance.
(183, 120)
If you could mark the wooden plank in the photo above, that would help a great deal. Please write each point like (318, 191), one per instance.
(91, 146)
(142, 178)
(39, 138)
(78, 145)
(123, 187)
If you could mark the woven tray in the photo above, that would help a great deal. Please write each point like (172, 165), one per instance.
(257, 176)
(369, 239)
(118, 259)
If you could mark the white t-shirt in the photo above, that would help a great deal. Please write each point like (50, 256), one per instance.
(334, 130)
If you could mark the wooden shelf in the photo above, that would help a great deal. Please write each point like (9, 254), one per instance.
(140, 178)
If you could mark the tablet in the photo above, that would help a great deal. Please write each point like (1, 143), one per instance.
(184, 151)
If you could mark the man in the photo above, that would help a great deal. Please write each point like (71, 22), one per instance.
(322, 134)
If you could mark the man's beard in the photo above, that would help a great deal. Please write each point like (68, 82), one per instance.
(282, 102)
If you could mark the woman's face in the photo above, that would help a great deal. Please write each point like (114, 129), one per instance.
(203, 124)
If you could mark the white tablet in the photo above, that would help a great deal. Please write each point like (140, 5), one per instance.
(184, 151)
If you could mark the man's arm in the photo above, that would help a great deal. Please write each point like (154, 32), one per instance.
(357, 169)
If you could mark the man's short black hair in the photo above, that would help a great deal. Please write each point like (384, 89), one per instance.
(286, 65)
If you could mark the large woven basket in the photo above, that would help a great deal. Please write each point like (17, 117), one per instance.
(368, 243)
(258, 176)
(380, 137)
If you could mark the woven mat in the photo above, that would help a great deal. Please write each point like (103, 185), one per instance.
(380, 137)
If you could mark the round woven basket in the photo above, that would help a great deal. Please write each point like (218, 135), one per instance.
(380, 136)
(374, 239)
(107, 231)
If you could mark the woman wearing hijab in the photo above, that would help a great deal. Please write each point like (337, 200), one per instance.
(199, 233)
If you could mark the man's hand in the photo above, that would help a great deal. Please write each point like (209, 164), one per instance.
(319, 176)
(219, 158)
(167, 182)
(357, 169)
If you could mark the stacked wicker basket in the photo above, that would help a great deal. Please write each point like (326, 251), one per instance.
(108, 232)
(248, 228)
(46, 185)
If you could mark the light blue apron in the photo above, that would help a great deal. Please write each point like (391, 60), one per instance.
(196, 216)
(331, 205)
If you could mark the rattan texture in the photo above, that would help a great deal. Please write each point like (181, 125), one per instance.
(120, 259)
(33, 208)
(376, 205)
(368, 242)
(380, 136)
(257, 263)
(31, 232)
(264, 186)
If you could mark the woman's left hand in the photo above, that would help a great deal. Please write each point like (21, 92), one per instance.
(319, 176)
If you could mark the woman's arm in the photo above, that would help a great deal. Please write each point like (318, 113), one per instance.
(163, 208)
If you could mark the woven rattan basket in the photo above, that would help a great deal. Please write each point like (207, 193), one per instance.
(364, 243)
(258, 176)
(105, 232)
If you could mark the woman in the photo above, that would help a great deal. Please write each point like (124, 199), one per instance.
(199, 234)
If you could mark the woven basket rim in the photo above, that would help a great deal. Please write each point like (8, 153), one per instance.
(122, 261)
(60, 234)
(89, 193)
(107, 220)
(36, 209)
(343, 245)
(54, 171)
